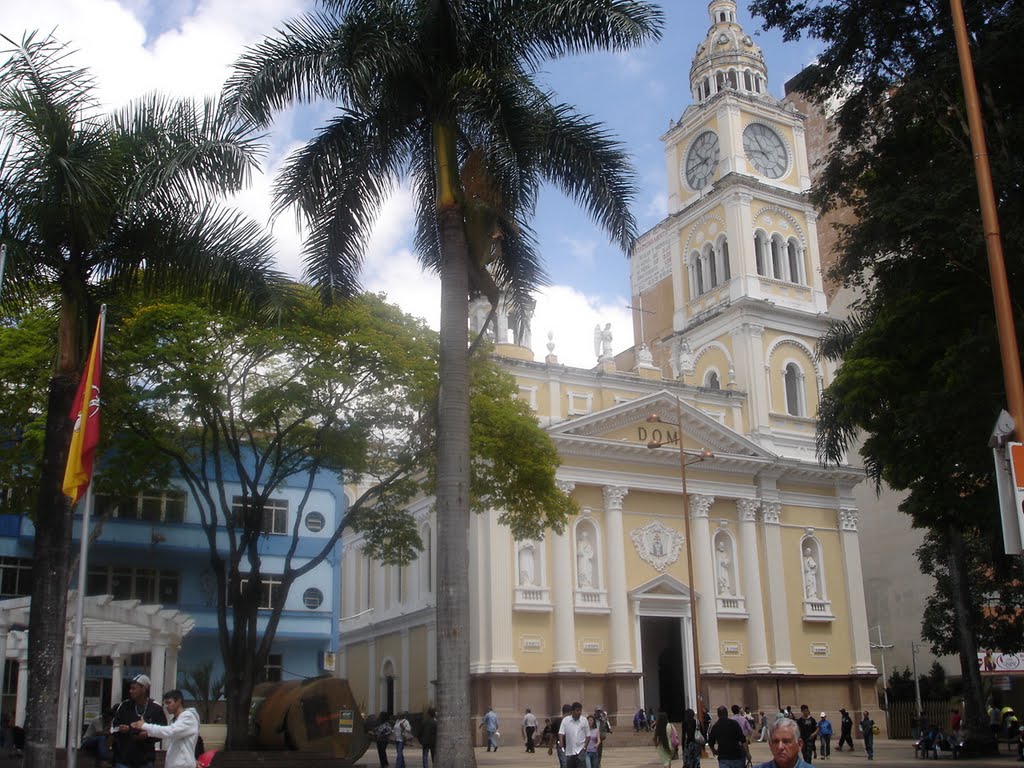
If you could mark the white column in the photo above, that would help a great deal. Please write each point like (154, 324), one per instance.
(171, 664)
(116, 678)
(619, 657)
(372, 687)
(703, 574)
(777, 600)
(403, 694)
(757, 642)
(21, 694)
(688, 673)
(562, 596)
(853, 572)
(4, 629)
(157, 663)
(502, 570)
(481, 599)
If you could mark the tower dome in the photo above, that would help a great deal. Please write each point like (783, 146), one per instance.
(728, 57)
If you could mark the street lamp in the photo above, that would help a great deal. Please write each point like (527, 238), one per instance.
(683, 463)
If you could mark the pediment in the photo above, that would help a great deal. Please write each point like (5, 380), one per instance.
(661, 586)
(628, 423)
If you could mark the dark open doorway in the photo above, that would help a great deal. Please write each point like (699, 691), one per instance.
(661, 640)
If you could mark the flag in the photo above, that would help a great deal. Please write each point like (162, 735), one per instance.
(86, 413)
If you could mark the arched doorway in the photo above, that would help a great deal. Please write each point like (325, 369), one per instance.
(662, 611)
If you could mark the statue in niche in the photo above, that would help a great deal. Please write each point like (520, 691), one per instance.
(724, 564)
(810, 575)
(585, 560)
(603, 342)
(526, 565)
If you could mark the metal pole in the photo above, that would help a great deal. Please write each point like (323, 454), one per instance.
(885, 677)
(3, 261)
(75, 689)
(917, 681)
(1012, 379)
(689, 569)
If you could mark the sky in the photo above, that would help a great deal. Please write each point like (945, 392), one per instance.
(187, 47)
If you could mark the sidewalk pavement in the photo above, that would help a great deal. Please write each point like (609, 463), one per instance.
(887, 753)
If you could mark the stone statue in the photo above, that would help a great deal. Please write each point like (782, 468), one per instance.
(526, 565)
(585, 561)
(810, 575)
(724, 576)
(603, 342)
(657, 547)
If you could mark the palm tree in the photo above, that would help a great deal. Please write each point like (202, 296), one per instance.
(94, 206)
(442, 93)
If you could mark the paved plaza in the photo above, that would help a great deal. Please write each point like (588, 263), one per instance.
(887, 753)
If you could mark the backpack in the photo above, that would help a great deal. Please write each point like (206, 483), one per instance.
(200, 747)
(383, 732)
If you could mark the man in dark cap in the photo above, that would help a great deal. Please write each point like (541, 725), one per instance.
(133, 748)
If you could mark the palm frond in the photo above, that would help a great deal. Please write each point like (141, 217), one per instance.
(579, 156)
(540, 29)
(336, 184)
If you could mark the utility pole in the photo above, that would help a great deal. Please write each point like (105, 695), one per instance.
(917, 680)
(882, 648)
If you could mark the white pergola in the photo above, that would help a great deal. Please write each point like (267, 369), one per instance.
(114, 628)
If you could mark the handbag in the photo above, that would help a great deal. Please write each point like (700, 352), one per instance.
(698, 738)
(674, 738)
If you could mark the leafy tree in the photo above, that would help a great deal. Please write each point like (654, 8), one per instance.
(920, 372)
(442, 92)
(348, 390)
(86, 201)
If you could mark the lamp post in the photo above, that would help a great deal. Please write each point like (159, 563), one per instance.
(683, 463)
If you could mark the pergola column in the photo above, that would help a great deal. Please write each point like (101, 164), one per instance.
(116, 677)
(21, 696)
(171, 664)
(157, 662)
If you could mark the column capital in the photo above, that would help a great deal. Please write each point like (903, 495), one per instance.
(614, 495)
(565, 486)
(700, 505)
(771, 512)
(747, 509)
(849, 517)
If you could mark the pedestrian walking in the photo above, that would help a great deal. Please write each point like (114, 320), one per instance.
(529, 729)
(382, 735)
(666, 740)
(825, 735)
(845, 730)
(867, 730)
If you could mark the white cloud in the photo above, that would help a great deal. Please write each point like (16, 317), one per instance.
(570, 316)
(582, 251)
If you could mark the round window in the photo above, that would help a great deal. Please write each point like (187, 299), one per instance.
(315, 522)
(312, 598)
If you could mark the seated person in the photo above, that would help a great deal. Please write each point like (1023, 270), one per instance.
(95, 739)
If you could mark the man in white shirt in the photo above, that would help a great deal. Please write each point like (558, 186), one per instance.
(181, 733)
(529, 728)
(572, 737)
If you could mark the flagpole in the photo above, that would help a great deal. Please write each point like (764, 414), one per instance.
(3, 261)
(75, 692)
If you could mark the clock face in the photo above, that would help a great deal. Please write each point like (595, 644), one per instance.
(765, 150)
(702, 160)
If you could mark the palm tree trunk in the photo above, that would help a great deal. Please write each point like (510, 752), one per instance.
(454, 745)
(51, 556)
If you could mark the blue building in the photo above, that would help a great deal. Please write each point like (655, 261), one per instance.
(152, 548)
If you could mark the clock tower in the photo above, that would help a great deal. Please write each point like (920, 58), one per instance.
(730, 279)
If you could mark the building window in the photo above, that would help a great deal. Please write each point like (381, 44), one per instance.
(724, 251)
(760, 247)
(153, 507)
(270, 593)
(312, 598)
(794, 385)
(275, 514)
(15, 577)
(145, 584)
(795, 262)
(778, 265)
(273, 669)
(315, 522)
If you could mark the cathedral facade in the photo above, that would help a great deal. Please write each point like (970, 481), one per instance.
(723, 368)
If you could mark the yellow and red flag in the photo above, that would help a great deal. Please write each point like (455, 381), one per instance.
(86, 413)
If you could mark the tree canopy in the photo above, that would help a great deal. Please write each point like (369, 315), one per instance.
(920, 370)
